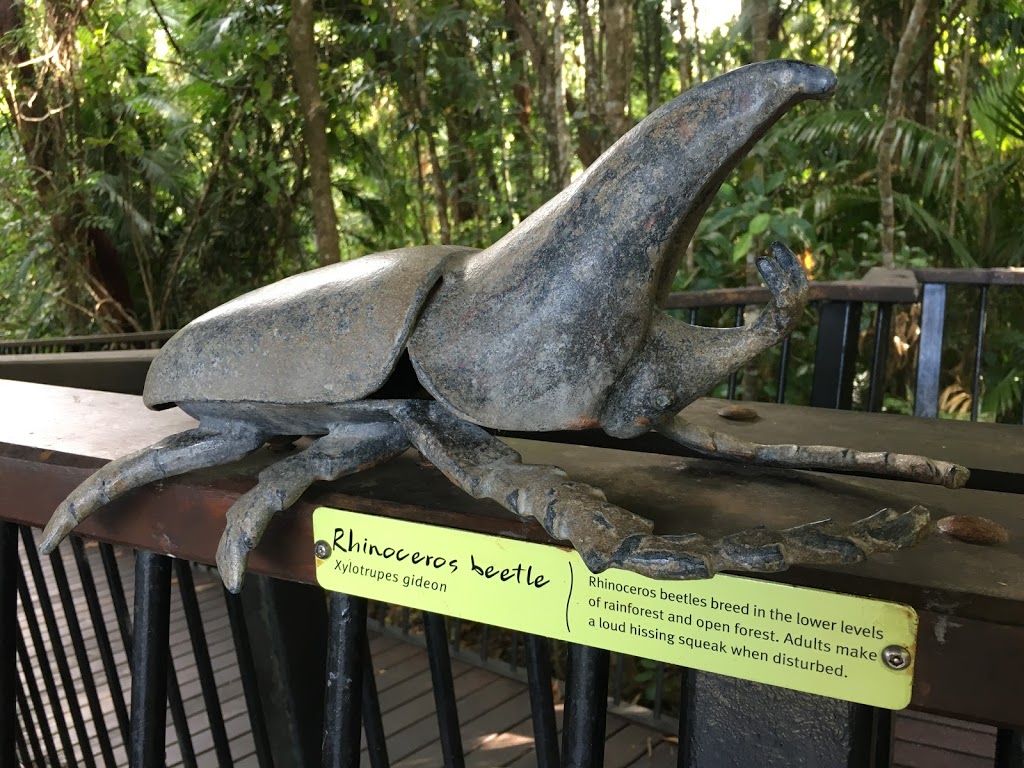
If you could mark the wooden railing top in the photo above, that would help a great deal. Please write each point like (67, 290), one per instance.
(991, 276)
(51, 438)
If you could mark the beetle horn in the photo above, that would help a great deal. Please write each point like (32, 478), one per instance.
(634, 210)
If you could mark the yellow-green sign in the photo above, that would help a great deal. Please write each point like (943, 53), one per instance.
(804, 639)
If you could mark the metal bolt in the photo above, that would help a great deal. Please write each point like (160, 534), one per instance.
(322, 550)
(896, 657)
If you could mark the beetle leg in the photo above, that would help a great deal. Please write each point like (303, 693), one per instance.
(348, 448)
(608, 536)
(604, 535)
(207, 445)
(898, 466)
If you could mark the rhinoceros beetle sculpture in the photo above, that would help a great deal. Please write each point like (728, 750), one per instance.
(556, 326)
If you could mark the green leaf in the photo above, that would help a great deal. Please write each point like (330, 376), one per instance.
(743, 246)
(759, 224)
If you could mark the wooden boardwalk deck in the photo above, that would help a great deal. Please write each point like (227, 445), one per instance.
(494, 710)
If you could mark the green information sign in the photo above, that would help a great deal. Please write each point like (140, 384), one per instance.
(841, 646)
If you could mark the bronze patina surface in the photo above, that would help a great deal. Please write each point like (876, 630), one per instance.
(556, 326)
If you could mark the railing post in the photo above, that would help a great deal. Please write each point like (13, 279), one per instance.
(9, 632)
(150, 656)
(542, 705)
(287, 627)
(929, 354)
(343, 713)
(727, 721)
(586, 707)
(835, 356)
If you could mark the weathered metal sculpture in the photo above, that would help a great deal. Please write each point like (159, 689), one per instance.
(554, 327)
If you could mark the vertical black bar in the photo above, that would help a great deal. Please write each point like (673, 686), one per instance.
(929, 354)
(737, 322)
(880, 356)
(201, 652)
(124, 623)
(542, 703)
(456, 634)
(485, 638)
(1009, 748)
(57, 646)
(444, 690)
(586, 707)
(659, 688)
(342, 708)
(74, 630)
(835, 356)
(150, 658)
(976, 386)
(376, 739)
(8, 644)
(243, 652)
(617, 675)
(780, 394)
(56, 705)
(514, 651)
(102, 637)
(30, 727)
(37, 702)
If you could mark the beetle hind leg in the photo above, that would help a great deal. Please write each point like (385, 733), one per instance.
(205, 446)
(347, 449)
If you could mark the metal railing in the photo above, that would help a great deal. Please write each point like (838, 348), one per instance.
(588, 670)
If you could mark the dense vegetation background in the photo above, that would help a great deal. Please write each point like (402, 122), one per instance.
(161, 156)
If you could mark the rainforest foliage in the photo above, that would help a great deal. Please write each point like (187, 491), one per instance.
(159, 157)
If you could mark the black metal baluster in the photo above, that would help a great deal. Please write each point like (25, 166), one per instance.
(56, 706)
(201, 652)
(929, 354)
(57, 647)
(78, 644)
(586, 707)
(150, 657)
(780, 394)
(30, 726)
(485, 637)
(659, 688)
(514, 651)
(976, 387)
(102, 636)
(880, 357)
(8, 646)
(243, 652)
(1009, 748)
(542, 703)
(342, 708)
(376, 739)
(835, 356)
(444, 690)
(737, 322)
(124, 623)
(28, 673)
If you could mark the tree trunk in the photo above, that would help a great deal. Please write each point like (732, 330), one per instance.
(887, 140)
(652, 27)
(542, 36)
(591, 142)
(618, 20)
(962, 116)
(683, 47)
(314, 129)
(760, 15)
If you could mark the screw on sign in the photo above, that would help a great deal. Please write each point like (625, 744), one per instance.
(896, 657)
(556, 326)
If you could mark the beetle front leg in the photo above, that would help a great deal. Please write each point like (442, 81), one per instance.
(348, 448)
(898, 466)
